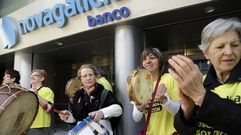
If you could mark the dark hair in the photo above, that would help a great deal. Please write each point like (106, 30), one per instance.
(157, 53)
(13, 74)
(100, 71)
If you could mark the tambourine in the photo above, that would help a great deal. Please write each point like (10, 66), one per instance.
(72, 86)
(140, 86)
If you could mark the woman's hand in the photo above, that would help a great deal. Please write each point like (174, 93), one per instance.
(187, 105)
(189, 77)
(98, 115)
(160, 94)
(141, 107)
(64, 115)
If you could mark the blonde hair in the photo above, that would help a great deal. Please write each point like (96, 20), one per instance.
(91, 66)
(41, 72)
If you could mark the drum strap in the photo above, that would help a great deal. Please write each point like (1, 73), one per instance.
(151, 105)
(103, 97)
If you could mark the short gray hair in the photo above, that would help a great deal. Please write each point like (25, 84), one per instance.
(218, 27)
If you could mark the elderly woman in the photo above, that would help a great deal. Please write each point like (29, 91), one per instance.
(211, 107)
(87, 101)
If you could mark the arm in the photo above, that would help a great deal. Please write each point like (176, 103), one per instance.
(111, 108)
(114, 110)
(165, 100)
(67, 116)
(136, 114)
(184, 120)
(47, 106)
(45, 98)
(171, 106)
(182, 126)
(223, 114)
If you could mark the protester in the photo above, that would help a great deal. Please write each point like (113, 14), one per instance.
(166, 101)
(211, 107)
(11, 76)
(102, 80)
(87, 101)
(41, 124)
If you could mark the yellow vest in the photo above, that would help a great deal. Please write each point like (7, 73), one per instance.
(227, 91)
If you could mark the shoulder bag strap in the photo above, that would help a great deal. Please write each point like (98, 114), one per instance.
(103, 97)
(151, 104)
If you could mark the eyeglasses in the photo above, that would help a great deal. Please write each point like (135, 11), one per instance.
(35, 75)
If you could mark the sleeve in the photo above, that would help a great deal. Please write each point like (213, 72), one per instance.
(47, 94)
(114, 110)
(70, 119)
(171, 106)
(136, 114)
(222, 114)
(184, 127)
(77, 106)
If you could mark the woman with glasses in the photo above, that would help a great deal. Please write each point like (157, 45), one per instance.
(41, 124)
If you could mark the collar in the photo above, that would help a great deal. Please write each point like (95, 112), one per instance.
(98, 89)
(211, 81)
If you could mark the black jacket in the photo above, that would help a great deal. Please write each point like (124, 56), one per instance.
(83, 103)
(221, 114)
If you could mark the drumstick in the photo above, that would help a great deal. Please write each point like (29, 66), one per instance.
(58, 111)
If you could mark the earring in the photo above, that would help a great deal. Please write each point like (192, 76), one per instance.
(208, 62)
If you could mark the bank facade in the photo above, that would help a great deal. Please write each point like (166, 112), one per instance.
(60, 35)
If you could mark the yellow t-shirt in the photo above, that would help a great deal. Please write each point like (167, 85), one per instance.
(162, 121)
(43, 118)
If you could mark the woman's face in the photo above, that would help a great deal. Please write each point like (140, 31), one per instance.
(36, 78)
(151, 63)
(7, 79)
(224, 52)
(88, 77)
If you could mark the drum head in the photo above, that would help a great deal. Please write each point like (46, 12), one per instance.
(72, 86)
(19, 114)
(140, 86)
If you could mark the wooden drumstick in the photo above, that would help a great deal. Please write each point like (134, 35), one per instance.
(57, 111)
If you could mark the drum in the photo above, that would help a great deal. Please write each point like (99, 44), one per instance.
(18, 108)
(140, 86)
(72, 86)
(89, 127)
